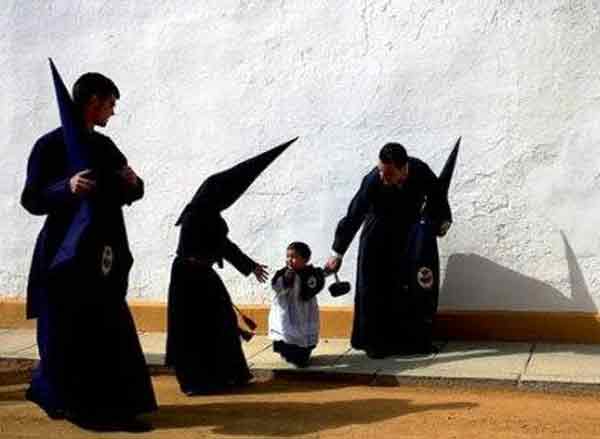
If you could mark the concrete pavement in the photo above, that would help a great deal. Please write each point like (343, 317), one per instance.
(532, 365)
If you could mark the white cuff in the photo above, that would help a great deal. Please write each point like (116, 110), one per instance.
(336, 254)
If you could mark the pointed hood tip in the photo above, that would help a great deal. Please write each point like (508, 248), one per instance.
(448, 170)
(219, 191)
(77, 154)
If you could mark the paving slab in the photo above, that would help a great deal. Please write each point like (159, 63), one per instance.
(564, 363)
(327, 352)
(258, 344)
(460, 360)
(409, 365)
(29, 353)
(13, 341)
(356, 363)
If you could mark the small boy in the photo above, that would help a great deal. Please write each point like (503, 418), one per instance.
(294, 315)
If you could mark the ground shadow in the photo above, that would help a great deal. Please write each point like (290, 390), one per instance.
(281, 419)
(447, 354)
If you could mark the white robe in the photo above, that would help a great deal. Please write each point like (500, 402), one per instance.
(291, 319)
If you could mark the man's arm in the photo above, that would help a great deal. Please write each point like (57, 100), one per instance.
(44, 194)
(132, 186)
(237, 258)
(122, 184)
(348, 226)
(242, 263)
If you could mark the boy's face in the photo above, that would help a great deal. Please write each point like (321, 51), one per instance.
(294, 260)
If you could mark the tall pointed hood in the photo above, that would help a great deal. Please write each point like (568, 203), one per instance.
(221, 190)
(446, 174)
(77, 160)
(77, 157)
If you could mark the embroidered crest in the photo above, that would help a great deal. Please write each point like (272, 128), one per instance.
(312, 282)
(107, 260)
(425, 278)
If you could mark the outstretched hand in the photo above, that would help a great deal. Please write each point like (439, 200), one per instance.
(261, 273)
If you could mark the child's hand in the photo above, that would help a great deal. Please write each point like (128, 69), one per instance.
(288, 277)
(261, 273)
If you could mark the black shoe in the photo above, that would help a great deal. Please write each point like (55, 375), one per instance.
(418, 349)
(300, 363)
(242, 381)
(375, 355)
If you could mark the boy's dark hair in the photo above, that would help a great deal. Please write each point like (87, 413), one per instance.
(90, 84)
(301, 248)
(393, 153)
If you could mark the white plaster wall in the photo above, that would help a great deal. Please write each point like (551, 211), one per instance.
(206, 83)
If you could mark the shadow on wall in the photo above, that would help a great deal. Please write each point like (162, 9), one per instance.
(476, 283)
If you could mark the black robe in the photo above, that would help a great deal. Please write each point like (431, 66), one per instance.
(91, 361)
(203, 342)
(384, 311)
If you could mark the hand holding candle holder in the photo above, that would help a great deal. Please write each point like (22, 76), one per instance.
(251, 324)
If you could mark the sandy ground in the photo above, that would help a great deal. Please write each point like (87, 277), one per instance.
(288, 409)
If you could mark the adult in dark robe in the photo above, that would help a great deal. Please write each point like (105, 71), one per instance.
(92, 369)
(203, 340)
(387, 205)
(422, 260)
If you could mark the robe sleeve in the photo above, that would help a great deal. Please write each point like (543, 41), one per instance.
(237, 258)
(355, 216)
(43, 195)
(279, 284)
(312, 283)
(131, 194)
(122, 192)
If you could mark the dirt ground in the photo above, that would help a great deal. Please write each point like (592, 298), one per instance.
(290, 409)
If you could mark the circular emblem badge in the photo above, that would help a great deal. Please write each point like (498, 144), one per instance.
(312, 282)
(107, 260)
(425, 278)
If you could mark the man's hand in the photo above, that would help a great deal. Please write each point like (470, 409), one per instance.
(261, 273)
(444, 228)
(80, 185)
(333, 264)
(129, 176)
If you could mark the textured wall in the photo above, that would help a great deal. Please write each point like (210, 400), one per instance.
(207, 83)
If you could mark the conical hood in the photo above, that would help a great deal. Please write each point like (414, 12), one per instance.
(221, 190)
(446, 174)
(77, 157)
(77, 160)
